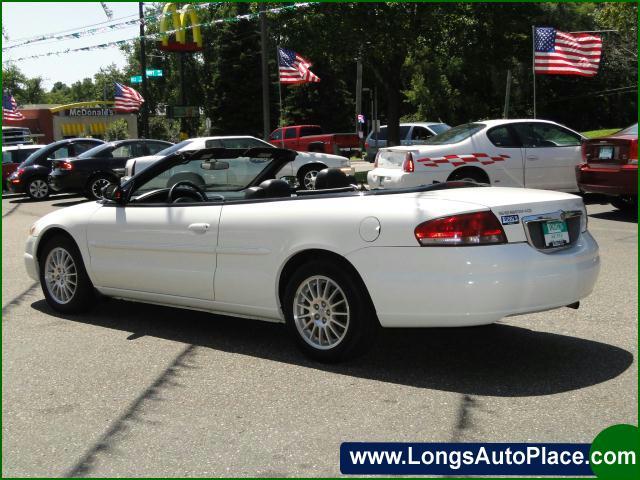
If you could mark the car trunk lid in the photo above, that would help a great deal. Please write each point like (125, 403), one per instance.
(521, 212)
(610, 152)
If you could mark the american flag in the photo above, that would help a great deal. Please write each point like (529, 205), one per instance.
(10, 108)
(127, 99)
(293, 68)
(560, 53)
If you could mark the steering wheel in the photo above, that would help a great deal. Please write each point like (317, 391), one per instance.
(194, 191)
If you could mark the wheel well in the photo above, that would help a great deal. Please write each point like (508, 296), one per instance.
(305, 256)
(50, 233)
(311, 166)
(473, 172)
(101, 173)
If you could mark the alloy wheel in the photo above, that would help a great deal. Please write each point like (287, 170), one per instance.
(98, 185)
(38, 188)
(60, 275)
(321, 312)
(309, 180)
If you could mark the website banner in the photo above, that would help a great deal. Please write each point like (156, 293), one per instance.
(461, 459)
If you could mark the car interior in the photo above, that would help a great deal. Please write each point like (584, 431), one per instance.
(220, 174)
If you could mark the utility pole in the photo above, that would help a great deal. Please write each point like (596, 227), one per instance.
(358, 89)
(507, 94)
(266, 121)
(143, 65)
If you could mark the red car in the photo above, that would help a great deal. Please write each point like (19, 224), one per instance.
(310, 138)
(611, 167)
(13, 156)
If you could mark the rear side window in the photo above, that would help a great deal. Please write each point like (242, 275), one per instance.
(309, 131)
(62, 152)
(382, 134)
(503, 137)
(290, 133)
(420, 133)
(155, 147)
(277, 135)
(81, 147)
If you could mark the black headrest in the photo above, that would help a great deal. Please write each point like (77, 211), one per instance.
(254, 192)
(275, 188)
(331, 178)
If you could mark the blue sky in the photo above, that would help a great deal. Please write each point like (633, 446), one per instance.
(26, 19)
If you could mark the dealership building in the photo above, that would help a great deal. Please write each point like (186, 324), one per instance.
(83, 119)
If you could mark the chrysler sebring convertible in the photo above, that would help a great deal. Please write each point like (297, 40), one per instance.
(213, 230)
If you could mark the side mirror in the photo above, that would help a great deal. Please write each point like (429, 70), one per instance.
(113, 193)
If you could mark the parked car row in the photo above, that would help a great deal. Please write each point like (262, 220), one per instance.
(87, 166)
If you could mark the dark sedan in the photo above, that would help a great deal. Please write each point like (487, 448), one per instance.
(611, 167)
(31, 175)
(90, 172)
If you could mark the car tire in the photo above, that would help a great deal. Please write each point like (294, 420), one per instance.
(38, 189)
(307, 176)
(625, 204)
(95, 186)
(328, 313)
(60, 264)
(469, 175)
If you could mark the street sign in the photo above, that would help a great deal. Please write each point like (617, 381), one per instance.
(182, 111)
(154, 73)
(136, 79)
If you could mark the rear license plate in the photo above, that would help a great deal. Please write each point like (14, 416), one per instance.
(606, 153)
(555, 233)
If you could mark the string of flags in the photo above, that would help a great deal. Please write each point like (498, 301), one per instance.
(237, 18)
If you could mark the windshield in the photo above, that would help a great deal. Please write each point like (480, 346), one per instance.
(211, 175)
(174, 148)
(439, 128)
(632, 130)
(455, 134)
(103, 150)
(33, 158)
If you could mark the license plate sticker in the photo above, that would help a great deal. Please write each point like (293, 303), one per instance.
(605, 153)
(555, 233)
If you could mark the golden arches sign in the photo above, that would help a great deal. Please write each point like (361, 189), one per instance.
(180, 20)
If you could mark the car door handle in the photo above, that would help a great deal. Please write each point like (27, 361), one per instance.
(532, 157)
(199, 227)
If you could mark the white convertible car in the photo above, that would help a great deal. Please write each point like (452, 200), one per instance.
(333, 263)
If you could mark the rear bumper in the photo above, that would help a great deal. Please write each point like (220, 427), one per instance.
(609, 181)
(16, 187)
(467, 286)
(64, 181)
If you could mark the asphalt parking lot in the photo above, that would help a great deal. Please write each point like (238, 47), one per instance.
(133, 389)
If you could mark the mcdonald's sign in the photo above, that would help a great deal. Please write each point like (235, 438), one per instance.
(185, 23)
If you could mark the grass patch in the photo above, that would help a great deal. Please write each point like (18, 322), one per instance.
(600, 133)
(361, 177)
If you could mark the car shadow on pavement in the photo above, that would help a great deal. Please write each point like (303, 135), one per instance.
(617, 215)
(497, 360)
(25, 199)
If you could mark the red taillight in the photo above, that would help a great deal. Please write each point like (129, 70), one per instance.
(633, 152)
(480, 228)
(19, 172)
(408, 166)
(366, 144)
(65, 165)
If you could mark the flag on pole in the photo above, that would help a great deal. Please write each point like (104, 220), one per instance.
(293, 68)
(127, 99)
(10, 108)
(560, 53)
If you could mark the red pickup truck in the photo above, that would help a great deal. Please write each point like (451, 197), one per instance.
(309, 138)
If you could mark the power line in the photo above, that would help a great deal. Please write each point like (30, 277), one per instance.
(118, 43)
